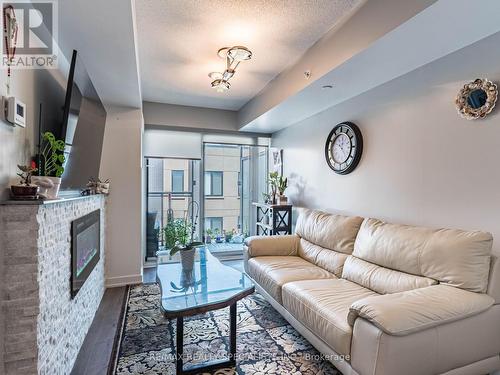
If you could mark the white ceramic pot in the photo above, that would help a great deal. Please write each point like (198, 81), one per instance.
(49, 186)
(187, 259)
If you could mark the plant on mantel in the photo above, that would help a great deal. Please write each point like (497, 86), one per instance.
(25, 190)
(51, 165)
(52, 156)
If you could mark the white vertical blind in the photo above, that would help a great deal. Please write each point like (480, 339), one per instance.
(172, 144)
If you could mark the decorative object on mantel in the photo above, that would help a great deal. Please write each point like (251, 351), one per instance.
(476, 99)
(343, 148)
(96, 187)
(51, 166)
(25, 191)
(179, 238)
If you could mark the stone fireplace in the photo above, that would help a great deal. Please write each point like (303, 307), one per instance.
(46, 310)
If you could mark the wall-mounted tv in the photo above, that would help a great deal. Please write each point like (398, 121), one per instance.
(82, 127)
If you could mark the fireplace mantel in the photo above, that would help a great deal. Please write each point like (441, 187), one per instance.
(43, 327)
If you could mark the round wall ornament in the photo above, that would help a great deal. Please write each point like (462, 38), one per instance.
(476, 99)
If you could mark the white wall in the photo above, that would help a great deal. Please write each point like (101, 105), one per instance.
(17, 144)
(121, 162)
(422, 164)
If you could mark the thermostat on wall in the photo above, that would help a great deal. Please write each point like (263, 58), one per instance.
(15, 111)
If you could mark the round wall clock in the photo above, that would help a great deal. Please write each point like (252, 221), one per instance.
(343, 148)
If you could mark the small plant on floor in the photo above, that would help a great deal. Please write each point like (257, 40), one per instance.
(229, 235)
(218, 237)
(208, 235)
(177, 234)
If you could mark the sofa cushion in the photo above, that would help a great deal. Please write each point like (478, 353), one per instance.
(272, 272)
(322, 306)
(330, 260)
(334, 232)
(453, 257)
(382, 280)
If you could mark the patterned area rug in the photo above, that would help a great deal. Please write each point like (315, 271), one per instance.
(266, 343)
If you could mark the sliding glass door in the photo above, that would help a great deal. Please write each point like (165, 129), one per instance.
(234, 177)
(172, 188)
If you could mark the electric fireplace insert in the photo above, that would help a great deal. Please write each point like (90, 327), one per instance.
(85, 248)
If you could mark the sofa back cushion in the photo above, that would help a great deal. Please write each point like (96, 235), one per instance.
(380, 279)
(453, 257)
(330, 260)
(334, 232)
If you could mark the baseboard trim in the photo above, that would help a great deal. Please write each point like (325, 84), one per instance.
(113, 282)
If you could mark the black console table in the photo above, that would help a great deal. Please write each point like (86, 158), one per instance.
(273, 219)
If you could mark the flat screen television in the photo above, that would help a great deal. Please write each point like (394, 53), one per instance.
(84, 119)
(81, 126)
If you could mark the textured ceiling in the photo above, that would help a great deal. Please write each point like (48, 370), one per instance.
(178, 42)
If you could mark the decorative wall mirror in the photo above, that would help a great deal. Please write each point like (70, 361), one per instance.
(477, 99)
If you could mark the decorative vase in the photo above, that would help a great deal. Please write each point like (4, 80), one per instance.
(187, 259)
(24, 191)
(282, 199)
(49, 186)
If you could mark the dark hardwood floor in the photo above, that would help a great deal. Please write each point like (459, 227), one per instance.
(96, 354)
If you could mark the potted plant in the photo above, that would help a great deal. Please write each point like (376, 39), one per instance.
(26, 190)
(51, 165)
(273, 176)
(218, 237)
(208, 235)
(266, 197)
(229, 235)
(278, 185)
(178, 238)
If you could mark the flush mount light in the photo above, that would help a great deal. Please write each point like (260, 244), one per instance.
(233, 56)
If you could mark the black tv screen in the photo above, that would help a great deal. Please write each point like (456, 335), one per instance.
(83, 122)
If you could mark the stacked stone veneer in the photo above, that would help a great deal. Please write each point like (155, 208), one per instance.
(43, 328)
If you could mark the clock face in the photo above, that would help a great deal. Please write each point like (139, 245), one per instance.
(343, 148)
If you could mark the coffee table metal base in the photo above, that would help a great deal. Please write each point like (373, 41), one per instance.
(208, 366)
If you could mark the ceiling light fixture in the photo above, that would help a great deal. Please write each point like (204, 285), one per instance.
(233, 56)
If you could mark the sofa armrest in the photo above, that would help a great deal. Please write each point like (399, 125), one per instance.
(257, 246)
(400, 314)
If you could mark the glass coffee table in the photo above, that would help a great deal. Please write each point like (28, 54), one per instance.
(204, 285)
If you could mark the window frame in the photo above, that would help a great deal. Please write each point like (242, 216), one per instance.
(221, 173)
(172, 181)
(210, 218)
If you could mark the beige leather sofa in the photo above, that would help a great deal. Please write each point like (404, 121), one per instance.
(384, 299)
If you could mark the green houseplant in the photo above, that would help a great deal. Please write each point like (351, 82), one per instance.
(51, 165)
(25, 189)
(178, 239)
(278, 186)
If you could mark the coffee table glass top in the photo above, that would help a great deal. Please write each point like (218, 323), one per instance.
(209, 282)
